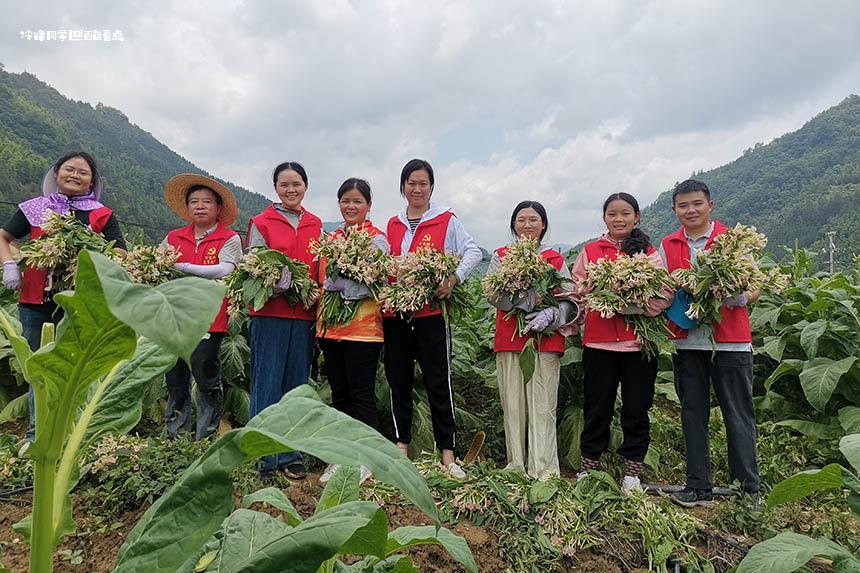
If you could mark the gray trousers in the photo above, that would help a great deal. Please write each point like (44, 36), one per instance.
(206, 368)
(732, 376)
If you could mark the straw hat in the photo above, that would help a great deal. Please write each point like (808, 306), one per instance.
(174, 194)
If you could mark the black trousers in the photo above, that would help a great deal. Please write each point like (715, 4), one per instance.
(350, 366)
(604, 371)
(731, 373)
(427, 340)
(206, 369)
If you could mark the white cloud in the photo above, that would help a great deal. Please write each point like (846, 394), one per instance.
(563, 102)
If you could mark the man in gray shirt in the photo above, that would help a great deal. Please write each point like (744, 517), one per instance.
(718, 353)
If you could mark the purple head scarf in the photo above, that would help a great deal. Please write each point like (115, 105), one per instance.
(37, 210)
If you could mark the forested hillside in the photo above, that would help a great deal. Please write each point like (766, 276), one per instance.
(795, 188)
(38, 124)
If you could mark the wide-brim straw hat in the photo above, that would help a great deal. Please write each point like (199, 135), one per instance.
(178, 186)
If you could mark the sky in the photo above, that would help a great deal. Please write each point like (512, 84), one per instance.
(562, 102)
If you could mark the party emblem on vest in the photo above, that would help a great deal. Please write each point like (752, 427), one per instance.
(426, 241)
(211, 251)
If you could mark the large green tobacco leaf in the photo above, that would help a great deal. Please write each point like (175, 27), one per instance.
(300, 549)
(820, 377)
(175, 315)
(849, 419)
(850, 448)
(277, 499)
(802, 484)
(246, 532)
(343, 487)
(810, 335)
(786, 552)
(202, 497)
(410, 536)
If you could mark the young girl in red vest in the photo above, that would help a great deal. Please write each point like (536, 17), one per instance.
(71, 185)
(282, 334)
(611, 355)
(718, 354)
(351, 351)
(208, 249)
(424, 336)
(531, 403)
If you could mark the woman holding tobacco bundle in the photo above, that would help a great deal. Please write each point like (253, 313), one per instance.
(511, 286)
(424, 335)
(282, 333)
(355, 257)
(613, 351)
(72, 186)
(207, 249)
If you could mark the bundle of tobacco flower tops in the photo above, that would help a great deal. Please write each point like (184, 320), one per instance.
(252, 282)
(351, 255)
(418, 274)
(523, 269)
(630, 280)
(149, 265)
(58, 248)
(730, 267)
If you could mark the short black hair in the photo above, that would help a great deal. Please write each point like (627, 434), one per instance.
(199, 187)
(359, 185)
(86, 157)
(690, 186)
(530, 205)
(416, 165)
(295, 166)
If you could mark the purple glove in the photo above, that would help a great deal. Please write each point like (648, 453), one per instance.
(334, 286)
(182, 267)
(539, 320)
(285, 281)
(737, 300)
(11, 275)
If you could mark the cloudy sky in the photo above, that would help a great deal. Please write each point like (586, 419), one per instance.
(559, 101)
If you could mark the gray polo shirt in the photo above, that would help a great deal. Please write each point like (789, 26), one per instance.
(699, 337)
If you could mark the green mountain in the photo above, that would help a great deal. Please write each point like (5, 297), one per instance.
(38, 124)
(796, 188)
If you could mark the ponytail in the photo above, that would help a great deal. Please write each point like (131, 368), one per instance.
(637, 242)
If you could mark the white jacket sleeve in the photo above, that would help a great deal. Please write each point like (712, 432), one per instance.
(457, 240)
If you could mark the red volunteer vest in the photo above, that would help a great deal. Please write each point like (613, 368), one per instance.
(429, 233)
(614, 328)
(507, 339)
(206, 253)
(34, 280)
(735, 323)
(295, 243)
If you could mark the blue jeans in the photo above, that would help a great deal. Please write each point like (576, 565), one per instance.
(281, 350)
(32, 318)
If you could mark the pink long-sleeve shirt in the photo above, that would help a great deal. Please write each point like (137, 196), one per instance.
(654, 307)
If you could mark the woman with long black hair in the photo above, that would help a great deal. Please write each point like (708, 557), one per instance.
(611, 355)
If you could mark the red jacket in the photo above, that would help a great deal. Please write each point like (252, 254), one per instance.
(206, 253)
(34, 280)
(432, 234)
(614, 328)
(735, 323)
(295, 243)
(507, 339)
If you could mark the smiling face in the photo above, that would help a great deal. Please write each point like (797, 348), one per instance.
(74, 177)
(418, 189)
(693, 210)
(528, 223)
(203, 207)
(353, 207)
(290, 189)
(620, 218)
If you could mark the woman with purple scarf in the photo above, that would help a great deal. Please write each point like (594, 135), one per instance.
(72, 185)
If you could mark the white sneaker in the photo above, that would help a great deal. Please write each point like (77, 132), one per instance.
(455, 471)
(581, 475)
(630, 484)
(365, 474)
(329, 471)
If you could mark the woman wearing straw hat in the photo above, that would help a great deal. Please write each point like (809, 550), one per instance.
(207, 249)
(71, 185)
